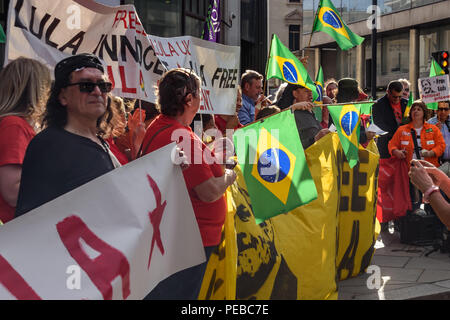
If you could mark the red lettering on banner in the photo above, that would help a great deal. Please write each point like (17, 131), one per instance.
(14, 282)
(186, 47)
(155, 218)
(125, 89)
(172, 49)
(131, 19)
(123, 15)
(205, 103)
(103, 269)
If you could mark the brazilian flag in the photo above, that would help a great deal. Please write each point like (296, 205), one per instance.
(329, 21)
(283, 64)
(347, 122)
(435, 70)
(2, 35)
(408, 108)
(319, 89)
(274, 166)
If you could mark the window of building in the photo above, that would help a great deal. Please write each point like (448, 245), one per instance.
(395, 54)
(294, 37)
(431, 40)
(294, 1)
(160, 17)
(358, 10)
(418, 3)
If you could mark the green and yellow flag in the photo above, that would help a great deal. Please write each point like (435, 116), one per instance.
(319, 90)
(329, 21)
(273, 163)
(283, 64)
(435, 70)
(347, 121)
(408, 108)
(2, 35)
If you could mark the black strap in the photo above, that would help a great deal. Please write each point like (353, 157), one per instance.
(416, 146)
(143, 150)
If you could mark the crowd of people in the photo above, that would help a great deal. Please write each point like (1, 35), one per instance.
(57, 137)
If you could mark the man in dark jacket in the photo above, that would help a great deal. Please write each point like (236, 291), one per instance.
(387, 114)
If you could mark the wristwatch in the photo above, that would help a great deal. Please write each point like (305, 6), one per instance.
(427, 194)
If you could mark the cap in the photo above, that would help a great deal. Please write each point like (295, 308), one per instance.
(65, 67)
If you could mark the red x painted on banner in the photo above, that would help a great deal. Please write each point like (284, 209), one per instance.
(155, 218)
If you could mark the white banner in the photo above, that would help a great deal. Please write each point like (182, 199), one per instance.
(434, 89)
(115, 237)
(52, 30)
(217, 66)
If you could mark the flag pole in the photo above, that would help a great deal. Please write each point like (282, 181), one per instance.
(314, 23)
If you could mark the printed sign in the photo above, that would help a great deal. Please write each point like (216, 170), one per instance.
(434, 89)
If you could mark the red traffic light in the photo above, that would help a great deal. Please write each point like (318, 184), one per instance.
(444, 55)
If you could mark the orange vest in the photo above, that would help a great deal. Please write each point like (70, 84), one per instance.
(430, 138)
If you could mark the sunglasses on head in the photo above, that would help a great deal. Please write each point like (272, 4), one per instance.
(88, 87)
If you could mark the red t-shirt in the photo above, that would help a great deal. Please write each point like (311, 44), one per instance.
(210, 216)
(116, 151)
(221, 124)
(397, 112)
(15, 135)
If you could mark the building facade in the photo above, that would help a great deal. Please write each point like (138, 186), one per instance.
(407, 33)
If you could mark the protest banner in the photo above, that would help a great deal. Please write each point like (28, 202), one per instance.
(115, 237)
(52, 30)
(434, 89)
(217, 66)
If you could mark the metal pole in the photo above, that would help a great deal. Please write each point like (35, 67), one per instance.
(374, 51)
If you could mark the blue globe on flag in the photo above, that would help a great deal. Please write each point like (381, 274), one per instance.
(273, 165)
(349, 121)
(330, 17)
(289, 72)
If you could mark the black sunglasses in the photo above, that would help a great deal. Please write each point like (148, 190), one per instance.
(88, 87)
(443, 109)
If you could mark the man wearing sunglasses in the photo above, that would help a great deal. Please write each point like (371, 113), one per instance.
(442, 121)
(70, 151)
(387, 114)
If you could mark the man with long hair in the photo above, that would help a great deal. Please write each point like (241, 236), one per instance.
(70, 151)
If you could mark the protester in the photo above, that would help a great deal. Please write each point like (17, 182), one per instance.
(406, 84)
(387, 114)
(331, 86)
(251, 86)
(24, 88)
(326, 120)
(224, 122)
(442, 121)
(430, 142)
(117, 128)
(299, 99)
(429, 180)
(130, 142)
(70, 151)
(178, 97)
(267, 111)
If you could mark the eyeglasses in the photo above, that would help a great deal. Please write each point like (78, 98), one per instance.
(443, 109)
(88, 87)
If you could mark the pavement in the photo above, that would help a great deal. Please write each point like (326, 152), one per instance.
(406, 271)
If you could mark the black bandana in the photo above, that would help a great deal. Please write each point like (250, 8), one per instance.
(66, 66)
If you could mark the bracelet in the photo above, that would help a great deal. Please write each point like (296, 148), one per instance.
(427, 194)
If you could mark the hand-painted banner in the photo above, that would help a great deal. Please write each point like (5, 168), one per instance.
(115, 237)
(217, 66)
(300, 254)
(52, 30)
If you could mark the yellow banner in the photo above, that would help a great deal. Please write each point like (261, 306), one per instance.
(295, 255)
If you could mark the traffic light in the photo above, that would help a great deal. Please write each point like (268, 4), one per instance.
(441, 58)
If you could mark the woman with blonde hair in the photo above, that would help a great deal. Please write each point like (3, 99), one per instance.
(24, 88)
